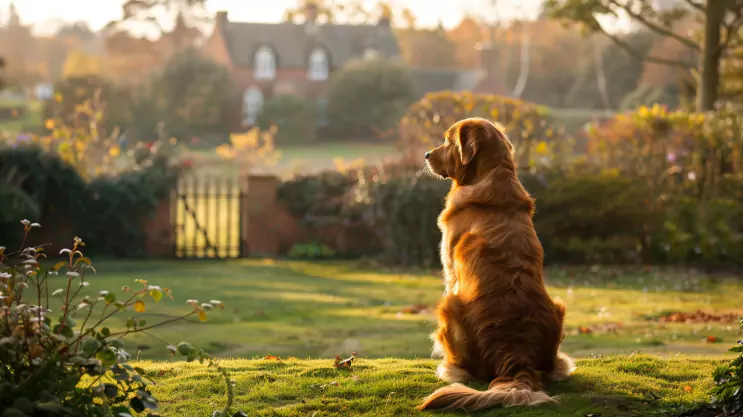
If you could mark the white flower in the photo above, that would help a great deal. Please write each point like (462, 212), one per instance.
(103, 293)
(84, 284)
(5, 275)
(153, 287)
(65, 250)
(207, 306)
(35, 225)
(192, 301)
(57, 292)
(25, 222)
(216, 302)
(692, 176)
(73, 274)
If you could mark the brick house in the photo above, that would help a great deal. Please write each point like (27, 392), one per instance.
(270, 59)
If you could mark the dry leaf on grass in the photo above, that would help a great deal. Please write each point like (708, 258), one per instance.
(344, 363)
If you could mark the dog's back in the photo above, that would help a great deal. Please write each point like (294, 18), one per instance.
(496, 321)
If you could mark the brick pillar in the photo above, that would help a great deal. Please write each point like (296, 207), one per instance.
(260, 234)
(159, 232)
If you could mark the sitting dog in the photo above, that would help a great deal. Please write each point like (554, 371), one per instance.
(497, 323)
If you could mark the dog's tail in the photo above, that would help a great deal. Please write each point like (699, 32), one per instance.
(522, 390)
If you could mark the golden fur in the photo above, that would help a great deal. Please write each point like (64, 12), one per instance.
(496, 321)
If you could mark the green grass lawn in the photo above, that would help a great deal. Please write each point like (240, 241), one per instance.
(315, 311)
(327, 309)
(306, 159)
(32, 119)
(629, 385)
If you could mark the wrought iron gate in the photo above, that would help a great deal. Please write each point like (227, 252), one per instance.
(207, 215)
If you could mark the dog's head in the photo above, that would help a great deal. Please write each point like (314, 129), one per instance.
(472, 148)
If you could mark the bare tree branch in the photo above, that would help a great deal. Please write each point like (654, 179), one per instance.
(731, 31)
(698, 6)
(655, 27)
(638, 55)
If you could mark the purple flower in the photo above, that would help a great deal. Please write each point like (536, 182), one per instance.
(23, 138)
(671, 157)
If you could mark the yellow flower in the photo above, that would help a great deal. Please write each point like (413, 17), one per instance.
(114, 151)
(541, 148)
(49, 124)
(58, 97)
(173, 141)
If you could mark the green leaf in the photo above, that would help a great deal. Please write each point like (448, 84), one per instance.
(121, 411)
(14, 412)
(142, 323)
(105, 331)
(118, 344)
(107, 356)
(131, 323)
(91, 346)
(110, 298)
(110, 390)
(137, 404)
(185, 348)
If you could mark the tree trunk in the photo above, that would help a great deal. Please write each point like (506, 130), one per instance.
(710, 66)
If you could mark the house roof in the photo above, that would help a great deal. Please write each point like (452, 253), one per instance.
(293, 43)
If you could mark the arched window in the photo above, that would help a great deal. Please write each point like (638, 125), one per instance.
(318, 66)
(264, 65)
(252, 105)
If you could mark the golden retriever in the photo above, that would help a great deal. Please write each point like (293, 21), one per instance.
(497, 323)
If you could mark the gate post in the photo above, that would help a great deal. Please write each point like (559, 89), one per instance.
(258, 230)
(158, 231)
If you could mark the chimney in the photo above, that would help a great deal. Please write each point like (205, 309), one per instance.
(488, 58)
(222, 19)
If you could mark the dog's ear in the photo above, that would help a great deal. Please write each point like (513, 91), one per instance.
(467, 141)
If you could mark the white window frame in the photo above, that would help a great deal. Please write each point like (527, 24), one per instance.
(264, 64)
(319, 67)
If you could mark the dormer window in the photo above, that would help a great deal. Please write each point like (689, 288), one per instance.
(318, 66)
(264, 64)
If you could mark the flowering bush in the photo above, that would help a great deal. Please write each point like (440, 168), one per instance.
(253, 151)
(70, 362)
(537, 143)
(691, 164)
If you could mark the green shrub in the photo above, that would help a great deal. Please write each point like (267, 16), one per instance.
(110, 210)
(403, 212)
(368, 97)
(728, 395)
(311, 251)
(590, 217)
(72, 361)
(293, 116)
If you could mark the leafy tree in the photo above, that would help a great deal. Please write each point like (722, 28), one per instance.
(722, 22)
(192, 95)
(294, 117)
(369, 96)
(615, 66)
(148, 11)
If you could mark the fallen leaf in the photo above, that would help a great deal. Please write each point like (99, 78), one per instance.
(344, 363)
(687, 388)
(712, 339)
(271, 358)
